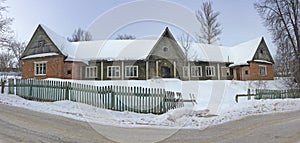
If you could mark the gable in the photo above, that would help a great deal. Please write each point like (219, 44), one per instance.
(262, 52)
(40, 43)
(167, 48)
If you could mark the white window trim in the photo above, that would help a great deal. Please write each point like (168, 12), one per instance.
(91, 67)
(107, 72)
(41, 62)
(137, 71)
(183, 69)
(266, 73)
(214, 71)
(193, 71)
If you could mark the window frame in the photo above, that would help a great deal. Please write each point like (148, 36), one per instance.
(213, 71)
(260, 71)
(43, 68)
(193, 71)
(185, 69)
(246, 72)
(116, 71)
(132, 76)
(89, 74)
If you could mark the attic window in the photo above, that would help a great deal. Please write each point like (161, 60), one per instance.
(165, 49)
(41, 43)
(262, 51)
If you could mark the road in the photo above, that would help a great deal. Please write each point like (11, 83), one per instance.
(21, 125)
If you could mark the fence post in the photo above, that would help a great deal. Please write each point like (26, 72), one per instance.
(30, 87)
(11, 86)
(248, 93)
(112, 97)
(163, 101)
(2, 85)
(67, 96)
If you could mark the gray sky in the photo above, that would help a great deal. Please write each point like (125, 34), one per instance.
(239, 20)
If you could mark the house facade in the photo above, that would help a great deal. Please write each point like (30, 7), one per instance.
(257, 65)
(49, 55)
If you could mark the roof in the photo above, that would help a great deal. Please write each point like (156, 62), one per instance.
(244, 52)
(207, 52)
(239, 54)
(65, 47)
(140, 49)
(113, 49)
(101, 49)
(40, 55)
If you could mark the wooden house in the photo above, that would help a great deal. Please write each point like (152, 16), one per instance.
(49, 55)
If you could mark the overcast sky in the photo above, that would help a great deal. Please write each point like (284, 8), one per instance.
(239, 20)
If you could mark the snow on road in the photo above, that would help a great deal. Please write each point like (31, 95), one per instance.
(216, 101)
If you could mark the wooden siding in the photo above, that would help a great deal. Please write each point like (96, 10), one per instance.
(263, 53)
(34, 47)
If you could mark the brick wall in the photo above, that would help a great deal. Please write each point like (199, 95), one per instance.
(255, 71)
(54, 69)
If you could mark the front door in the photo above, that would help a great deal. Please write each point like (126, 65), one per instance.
(165, 72)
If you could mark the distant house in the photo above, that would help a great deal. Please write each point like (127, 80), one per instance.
(49, 55)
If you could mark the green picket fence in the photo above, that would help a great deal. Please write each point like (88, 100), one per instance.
(119, 98)
(276, 94)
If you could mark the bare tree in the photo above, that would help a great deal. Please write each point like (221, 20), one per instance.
(210, 27)
(6, 61)
(185, 41)
(125, 37)
(80, 35)
(17, 48)
(281, 17)
(5, 22)
(283, 61)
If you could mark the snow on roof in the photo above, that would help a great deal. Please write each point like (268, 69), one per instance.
(239, 54)
(66, 47)
(208, 52)
(263, 61)
(244, 52)
(101, 49)
(40, 55)
(140, 49)
(113, 49)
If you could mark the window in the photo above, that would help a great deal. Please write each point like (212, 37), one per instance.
(91, 72)
(41, 43)
(225, 71)
(210, 71)
(131, 71)
(246, 72)
(263, 70)
(262, 51)
(165, 49)
(185, 70)
(40, 68)
(196, 71)
(69, 72)
(113, 71)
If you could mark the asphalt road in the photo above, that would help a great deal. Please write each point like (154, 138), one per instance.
(21, 125)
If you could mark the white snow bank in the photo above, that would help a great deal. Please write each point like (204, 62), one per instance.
(216, 105)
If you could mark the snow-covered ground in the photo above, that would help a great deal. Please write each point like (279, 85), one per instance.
(215, 104)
